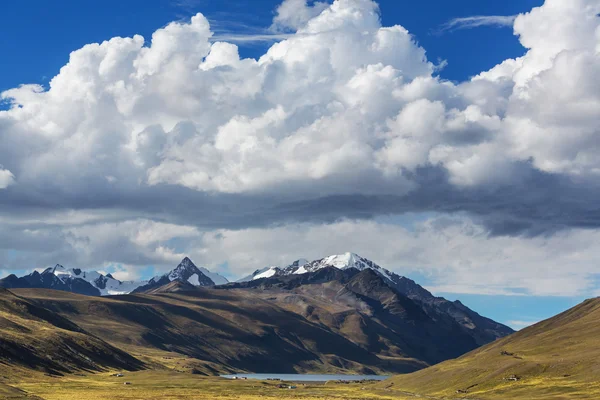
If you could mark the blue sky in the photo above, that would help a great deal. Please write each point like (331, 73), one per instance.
(36, 46)
(125, 171)
(517, 311)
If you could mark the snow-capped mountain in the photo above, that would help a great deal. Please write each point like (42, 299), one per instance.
(340, 261)
(270, 272)
(482, 329)
(267, 272)
(106, 284)
(97, 284)
(71, 280)
(188, 272)
(216, 278)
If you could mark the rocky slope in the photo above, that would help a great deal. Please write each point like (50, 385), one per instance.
(367, 308)
(482, 330)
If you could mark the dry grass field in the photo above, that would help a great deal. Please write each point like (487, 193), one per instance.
(155, 385)
(555, 359)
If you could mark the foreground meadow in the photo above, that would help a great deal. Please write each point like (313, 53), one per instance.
(155, 385)
(150, 385)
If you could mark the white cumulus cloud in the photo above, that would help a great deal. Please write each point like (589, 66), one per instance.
(295, 14)
(343, 118)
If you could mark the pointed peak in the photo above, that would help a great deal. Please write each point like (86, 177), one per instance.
(186, 262)
(53, 270)
(185, 271)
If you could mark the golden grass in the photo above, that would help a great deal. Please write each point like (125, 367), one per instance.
(154, 385)
(555, 359)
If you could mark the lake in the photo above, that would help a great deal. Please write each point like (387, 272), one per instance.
(307, 377)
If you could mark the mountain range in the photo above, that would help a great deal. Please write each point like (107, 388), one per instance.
(342, 313)
(482, 330)
(94, 283)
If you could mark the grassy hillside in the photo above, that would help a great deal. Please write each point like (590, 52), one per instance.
(555, 359)
(216, 331)
(36, 338)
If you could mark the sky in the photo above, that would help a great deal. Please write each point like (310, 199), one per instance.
(452, 142)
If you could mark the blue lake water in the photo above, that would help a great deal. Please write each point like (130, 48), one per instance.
(307, 377)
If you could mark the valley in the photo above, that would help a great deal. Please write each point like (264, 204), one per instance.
(341, 314)
(171, 337)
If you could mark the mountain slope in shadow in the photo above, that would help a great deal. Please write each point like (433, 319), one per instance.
(34, 337)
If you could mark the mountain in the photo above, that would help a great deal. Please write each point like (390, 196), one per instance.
(556, 358)
(359, 301)
(48, 279)
(186, 271)
(483, 330)
(93, 283)
(71, 280)
(269, 272)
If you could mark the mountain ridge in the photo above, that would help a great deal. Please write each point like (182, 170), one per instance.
(344, 316)
(482, 329)
(468, 318)
(93, 283)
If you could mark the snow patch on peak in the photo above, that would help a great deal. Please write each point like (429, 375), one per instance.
(346, 260)
(252, 275)
(194, 280)
(339, 261)
(269, 272)
(216, 278)
(300, 271)
(353, 260)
